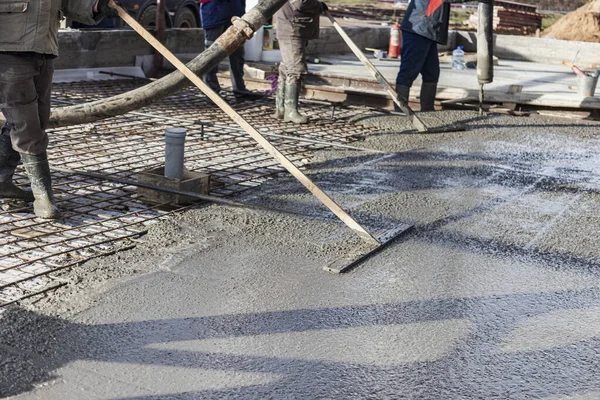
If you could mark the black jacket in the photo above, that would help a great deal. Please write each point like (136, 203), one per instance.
(428, 18)
(215, 13)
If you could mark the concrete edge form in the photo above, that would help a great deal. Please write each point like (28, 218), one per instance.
(526, 48)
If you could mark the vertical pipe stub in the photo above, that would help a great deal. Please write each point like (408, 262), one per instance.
(174, 149)
(485, 42)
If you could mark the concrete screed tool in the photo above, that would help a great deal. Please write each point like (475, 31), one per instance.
(374, 244)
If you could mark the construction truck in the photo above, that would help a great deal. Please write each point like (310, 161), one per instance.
(179, 13)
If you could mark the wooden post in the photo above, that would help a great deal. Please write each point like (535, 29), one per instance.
(160, 34)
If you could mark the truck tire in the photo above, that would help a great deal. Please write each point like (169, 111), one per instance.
(185, 18)
(148, 17)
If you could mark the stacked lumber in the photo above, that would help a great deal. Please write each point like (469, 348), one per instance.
(512, 18)
(517, 19)
(512, 5)
(365, 13)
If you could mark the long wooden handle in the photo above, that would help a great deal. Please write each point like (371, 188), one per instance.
(417, 123)
(264, 143)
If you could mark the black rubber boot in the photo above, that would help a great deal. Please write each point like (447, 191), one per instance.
(280, 98)
(292, 92)
(38, 171)
(9, 159)
(403, 93)
(247, 95)
(428, 91)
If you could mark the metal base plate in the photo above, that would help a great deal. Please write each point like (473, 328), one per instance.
(438, 129)
(345, 264)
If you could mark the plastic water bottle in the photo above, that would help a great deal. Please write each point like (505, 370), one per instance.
(458, 59)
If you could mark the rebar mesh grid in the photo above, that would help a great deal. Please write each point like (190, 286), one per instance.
(102, 217)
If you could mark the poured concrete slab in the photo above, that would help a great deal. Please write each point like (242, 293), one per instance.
(495, 294)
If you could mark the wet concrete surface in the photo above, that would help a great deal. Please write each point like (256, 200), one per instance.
(493, 295)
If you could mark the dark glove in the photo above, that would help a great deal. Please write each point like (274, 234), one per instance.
(105, 10)
(323, 7)
(485, 1)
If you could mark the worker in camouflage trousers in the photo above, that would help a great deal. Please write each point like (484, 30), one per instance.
(297, 22)
(425, 24)
(28, 46)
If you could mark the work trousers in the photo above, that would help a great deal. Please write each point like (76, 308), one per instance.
(236, 62)
(293, 58)
(419, 55)
(25, 88)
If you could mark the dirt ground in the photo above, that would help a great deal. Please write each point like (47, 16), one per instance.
(581, 25)
(493, 294)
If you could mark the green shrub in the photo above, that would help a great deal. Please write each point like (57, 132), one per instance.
(550, 19)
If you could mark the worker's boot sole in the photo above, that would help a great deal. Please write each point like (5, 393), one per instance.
(38, 170)
(295, 117)
(9, 190)
(292, 93)
(44, 207)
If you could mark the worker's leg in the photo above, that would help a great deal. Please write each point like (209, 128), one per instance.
(280, 93)
(210, 36)
(44, 92)
(293, 54)
(414, 53)
(431, 75)
(36, 163)
(236, 70)
(9, 159)
(16, 87)
(26, 87)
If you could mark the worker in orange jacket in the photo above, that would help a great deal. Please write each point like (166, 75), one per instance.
(424, 25)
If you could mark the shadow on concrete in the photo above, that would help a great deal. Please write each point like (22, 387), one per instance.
(402, 173)
(425, 170)
(487, 362)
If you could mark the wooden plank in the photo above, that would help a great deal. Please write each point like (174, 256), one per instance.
(264, 143)
(557, 100)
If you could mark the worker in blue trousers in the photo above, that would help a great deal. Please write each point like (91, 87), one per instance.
(216, 18)
(425, 24)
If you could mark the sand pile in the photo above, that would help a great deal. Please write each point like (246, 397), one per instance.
(581, 25)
